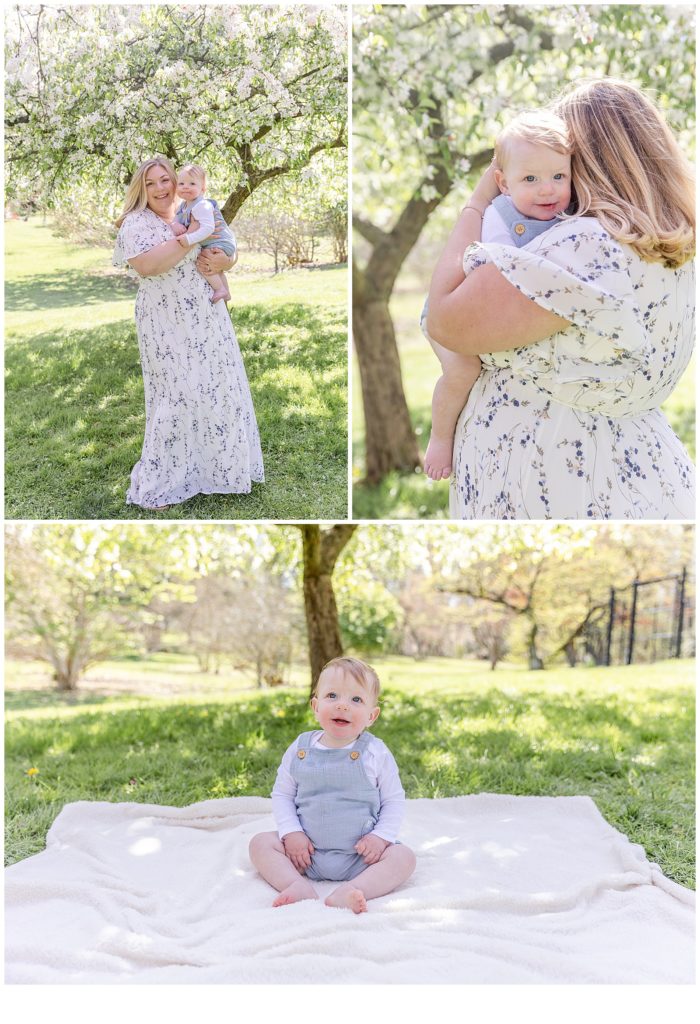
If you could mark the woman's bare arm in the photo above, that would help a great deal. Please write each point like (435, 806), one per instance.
(160, 258)
(482, 312)
(486, 313)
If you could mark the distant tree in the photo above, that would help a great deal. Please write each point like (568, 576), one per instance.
(74, 594)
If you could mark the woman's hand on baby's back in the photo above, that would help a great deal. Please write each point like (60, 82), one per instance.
(371, 848)
(298, 848)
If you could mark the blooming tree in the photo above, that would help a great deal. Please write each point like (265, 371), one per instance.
(432, 86)
(250, 92)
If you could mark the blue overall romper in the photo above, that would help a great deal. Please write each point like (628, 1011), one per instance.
(222, 235)
(522, 229)
(336, 805)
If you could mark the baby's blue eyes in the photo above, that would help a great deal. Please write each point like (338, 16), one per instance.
(334, 696)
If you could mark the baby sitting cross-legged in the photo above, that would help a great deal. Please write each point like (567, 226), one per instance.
(337, 801)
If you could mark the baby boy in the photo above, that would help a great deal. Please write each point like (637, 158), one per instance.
(532, 158)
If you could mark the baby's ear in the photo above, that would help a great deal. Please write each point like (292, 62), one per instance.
(500, 180)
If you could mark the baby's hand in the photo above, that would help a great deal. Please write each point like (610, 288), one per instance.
(298, 847)
(178, 228)
(371, 848)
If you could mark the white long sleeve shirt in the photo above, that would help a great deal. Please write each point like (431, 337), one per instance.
(381, 770)
(203, 212)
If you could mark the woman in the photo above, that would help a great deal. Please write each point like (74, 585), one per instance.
(201, 436)
(582, 333)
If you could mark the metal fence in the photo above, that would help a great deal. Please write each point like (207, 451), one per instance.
(649, 620)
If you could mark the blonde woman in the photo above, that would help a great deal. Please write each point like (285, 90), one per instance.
(201, 436)
(582, 333)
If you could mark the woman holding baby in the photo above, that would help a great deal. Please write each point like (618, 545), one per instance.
(582, 332)
(201, 435)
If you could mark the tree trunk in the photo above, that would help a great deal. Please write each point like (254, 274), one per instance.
(321, 550)
(534, 661)
(390, 442)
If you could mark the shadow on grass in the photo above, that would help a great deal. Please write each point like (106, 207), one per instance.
(67, 288)
(75, 419)
(29, 700)
(615, 749)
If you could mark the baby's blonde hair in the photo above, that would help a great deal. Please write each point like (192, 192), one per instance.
(540, 127)
(628, 170)
(197, 171)
(136, 198)
(359, 670)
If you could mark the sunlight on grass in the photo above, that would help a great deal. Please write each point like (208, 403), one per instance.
(623, 736)
(74, 394)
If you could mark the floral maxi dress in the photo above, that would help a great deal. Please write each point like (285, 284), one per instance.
(570, 427)
(201, 436)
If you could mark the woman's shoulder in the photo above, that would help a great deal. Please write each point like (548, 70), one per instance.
(144, 216)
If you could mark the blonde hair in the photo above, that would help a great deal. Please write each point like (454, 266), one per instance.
(628, 170)
(195, 170)
(359, 670)
(136, 198)
(540, 127)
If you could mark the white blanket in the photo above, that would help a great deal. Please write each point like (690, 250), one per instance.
(506, 890)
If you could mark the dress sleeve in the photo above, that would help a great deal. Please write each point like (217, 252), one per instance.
(577, 271)
(136, 236)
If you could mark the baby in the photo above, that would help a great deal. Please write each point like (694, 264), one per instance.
(210, 227)
(337, 801)
(532, 158)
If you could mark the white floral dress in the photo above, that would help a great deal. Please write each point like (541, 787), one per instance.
(201, 436)
(570, 427)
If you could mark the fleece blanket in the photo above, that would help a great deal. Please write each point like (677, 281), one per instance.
(506, 890)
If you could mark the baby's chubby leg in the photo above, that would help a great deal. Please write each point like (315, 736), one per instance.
(395, 865)
(459, 373)
(219, 284)
(268, 857)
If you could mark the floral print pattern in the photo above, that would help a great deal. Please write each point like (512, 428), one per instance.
(201, 436)
(570, 427)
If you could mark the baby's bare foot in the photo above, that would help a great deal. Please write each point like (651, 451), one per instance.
(438, 459)
(219, 295)
(301, 890)
(353, 899)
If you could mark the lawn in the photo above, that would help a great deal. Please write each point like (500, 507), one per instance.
(158, 731)
(413, 495)
(74, 406)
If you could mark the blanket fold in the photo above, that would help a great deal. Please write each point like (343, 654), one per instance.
(506, 890)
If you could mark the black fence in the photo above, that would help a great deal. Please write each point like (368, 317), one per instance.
(649, 620)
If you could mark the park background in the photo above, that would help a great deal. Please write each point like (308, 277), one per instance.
(170, 666)
(258, 96)
(432, 86)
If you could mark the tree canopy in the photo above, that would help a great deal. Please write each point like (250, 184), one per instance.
(248, 91)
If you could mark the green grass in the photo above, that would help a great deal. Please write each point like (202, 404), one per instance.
(74, 408)
(157, 731)
(413, 495)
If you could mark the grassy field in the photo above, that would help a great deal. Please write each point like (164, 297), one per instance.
(74, 407)
(158, 731)
(414, 496)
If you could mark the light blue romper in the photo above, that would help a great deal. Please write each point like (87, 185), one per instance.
(336, 805)
(522, 229)
(222, 236)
